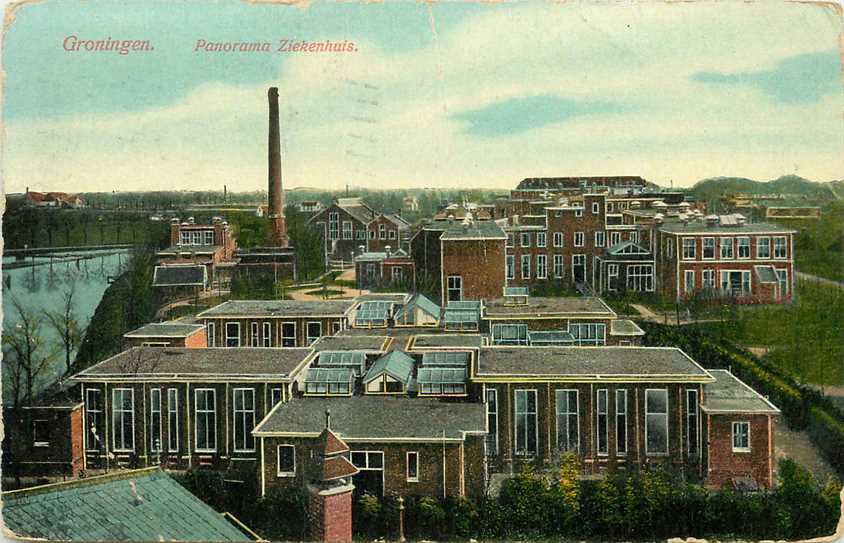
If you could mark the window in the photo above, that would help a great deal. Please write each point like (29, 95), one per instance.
(633, 236)
(314, 330)
(763, 247)
(372, 234)
(382, 231)
(94, 412)
(692, 434)
(368, 460)
(779, 247)
(708, 248)
(540, 239)
(196, 237)
(333, 225)
(123, 419)
(603, 422)
(743, 247)
(211, 337)
(348, 233)
(267, 334)
(688, 248)
(735, 283)
(511, 265)
(559, 267)
(510, 242)
(526, 428)
(596, 208)
(455, 288)
(615, 238)
(172, 420)
(669, 248)
(288, 334)
(708, 279)
(525, 266)
(568, 420)
(689, 282)
(286, 461)
(336, 326)
(782, 279)
(232, 334)
(588, 333)
(558, 239)
(525, 239)
(397, 274)
(412, 467)
(578, 212)
(40, 433)
(656, 421)
(741, 437)
(275, 397)
(244, 419)
(253, 334)
(209, 237)
(621, 422)
(155, 443)
(541, 266)
(640, 278)
(492, 421)
(612, 276)
(184, 238)
(361, 234)
(578, 239)
(206, 419)
(391, 234)
(726, 247)
(509, 334)
(600, 237)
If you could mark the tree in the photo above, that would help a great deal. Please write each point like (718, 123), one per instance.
(65, 322)
(26, 357)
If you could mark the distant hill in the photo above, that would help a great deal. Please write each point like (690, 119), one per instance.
(716, 187)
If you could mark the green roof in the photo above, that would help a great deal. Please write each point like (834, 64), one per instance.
(405, 315)
(138, 505)
(395, 363)
(443, 359)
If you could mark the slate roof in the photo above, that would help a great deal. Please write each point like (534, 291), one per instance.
(279, 308)
(548, 306)
(358, 418)
(395, 363)
(105, 508)
(179, 276)
(187, 363)
(475, 230)
(434, 341)
(199, 249)
(360, 212)
(728, 394)
(700, 227)
(649, 364)
(366, 343)
(624, 327)
(165, 329)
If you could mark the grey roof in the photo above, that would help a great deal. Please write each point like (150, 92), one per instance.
(730, 395)
(550, 337)
(165, 329)
(435, 341)
(370, 257)
(187, 249)
(359, 418)
(766, 274)
(546, 306)
(650, 364)
(360, 212)
(624, 327)
(475, 230)
(395, 363)
(179, 276)
(701, 227)
(137, 505)
(279, 308)
(366, 343)
(249, 363)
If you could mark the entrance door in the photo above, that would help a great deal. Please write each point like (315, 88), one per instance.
(578, 268)
(370, 478)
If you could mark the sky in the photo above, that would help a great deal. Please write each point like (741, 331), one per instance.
(433, 95)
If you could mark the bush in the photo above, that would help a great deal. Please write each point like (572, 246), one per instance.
(282, 515)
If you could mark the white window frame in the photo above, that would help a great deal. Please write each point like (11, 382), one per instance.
(637, 277)
(734, 435)
(688, 281)
(510, 240)
(510, 267)
(579, 239)
(782, 278)
(526, 414)
(743, 242)
(744, 274)
(210, 332)
(241, 416)
(541, 239)
(558, 239)
(280, 473)
(276, 396)
(172, 420)
(524, 239)
(382, 231)
(267, 334)
(283, 337)
(492, 430)
(568, 413)
(578, 211)
(578, 260)
(689, 249)
(615, 238)
(596, 208)
(348, 230)
(767, 246)
(449, 288)
(708, 279)
(777, 247)
(600, 238)
(93, 412)
(155, 410)
(415, 464)
(309, 339)
(708, 243)
(333, 225)
(542, 266)
(648, 416)
(692, 422)
(209, 237)
(727, 247)
(115, 426)
(559, 266)
(621, 421)
(254, 340)
(525, 266)
(602, 449)
(206, 412)
(228, 337)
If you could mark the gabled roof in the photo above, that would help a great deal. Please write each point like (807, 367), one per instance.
(137, 505)
(476, 230)
(396, 364)
(627, 248)
(406, 313)
(728, 394)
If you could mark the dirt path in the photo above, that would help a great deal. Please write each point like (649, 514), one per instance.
(648, 314)
(347, 293)
(797, 446)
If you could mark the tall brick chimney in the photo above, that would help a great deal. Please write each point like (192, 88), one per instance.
(275, 210)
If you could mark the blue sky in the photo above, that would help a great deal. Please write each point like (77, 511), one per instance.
(436, 94)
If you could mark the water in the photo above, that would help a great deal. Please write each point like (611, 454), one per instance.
(40, 290)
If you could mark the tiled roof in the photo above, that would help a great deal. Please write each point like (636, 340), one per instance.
(138, 505)
(165, 329)
(434, 341)
(352, 418)
(730, 395)
(700, 227)
(175, 276)
(184, 362)
(474, 230)
(650, 364)
(278, 308)
(545, 306)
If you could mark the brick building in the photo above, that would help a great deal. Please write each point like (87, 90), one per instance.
(374, 269)
(472, 261)
(724, 256)
(343, 226)
(209, 245)
(552, 187)
(385, 231)
(167, 334)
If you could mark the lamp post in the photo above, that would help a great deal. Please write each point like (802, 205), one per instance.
(401, 520)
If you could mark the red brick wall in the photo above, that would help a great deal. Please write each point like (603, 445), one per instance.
(723, 463)
(344, 248)
(62, 455)
(374, 243)
(479, 262)
(331, 517)
(197, 340)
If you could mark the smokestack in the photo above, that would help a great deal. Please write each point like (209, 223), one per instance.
(275, 209)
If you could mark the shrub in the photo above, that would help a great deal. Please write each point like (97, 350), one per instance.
(282, 515)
